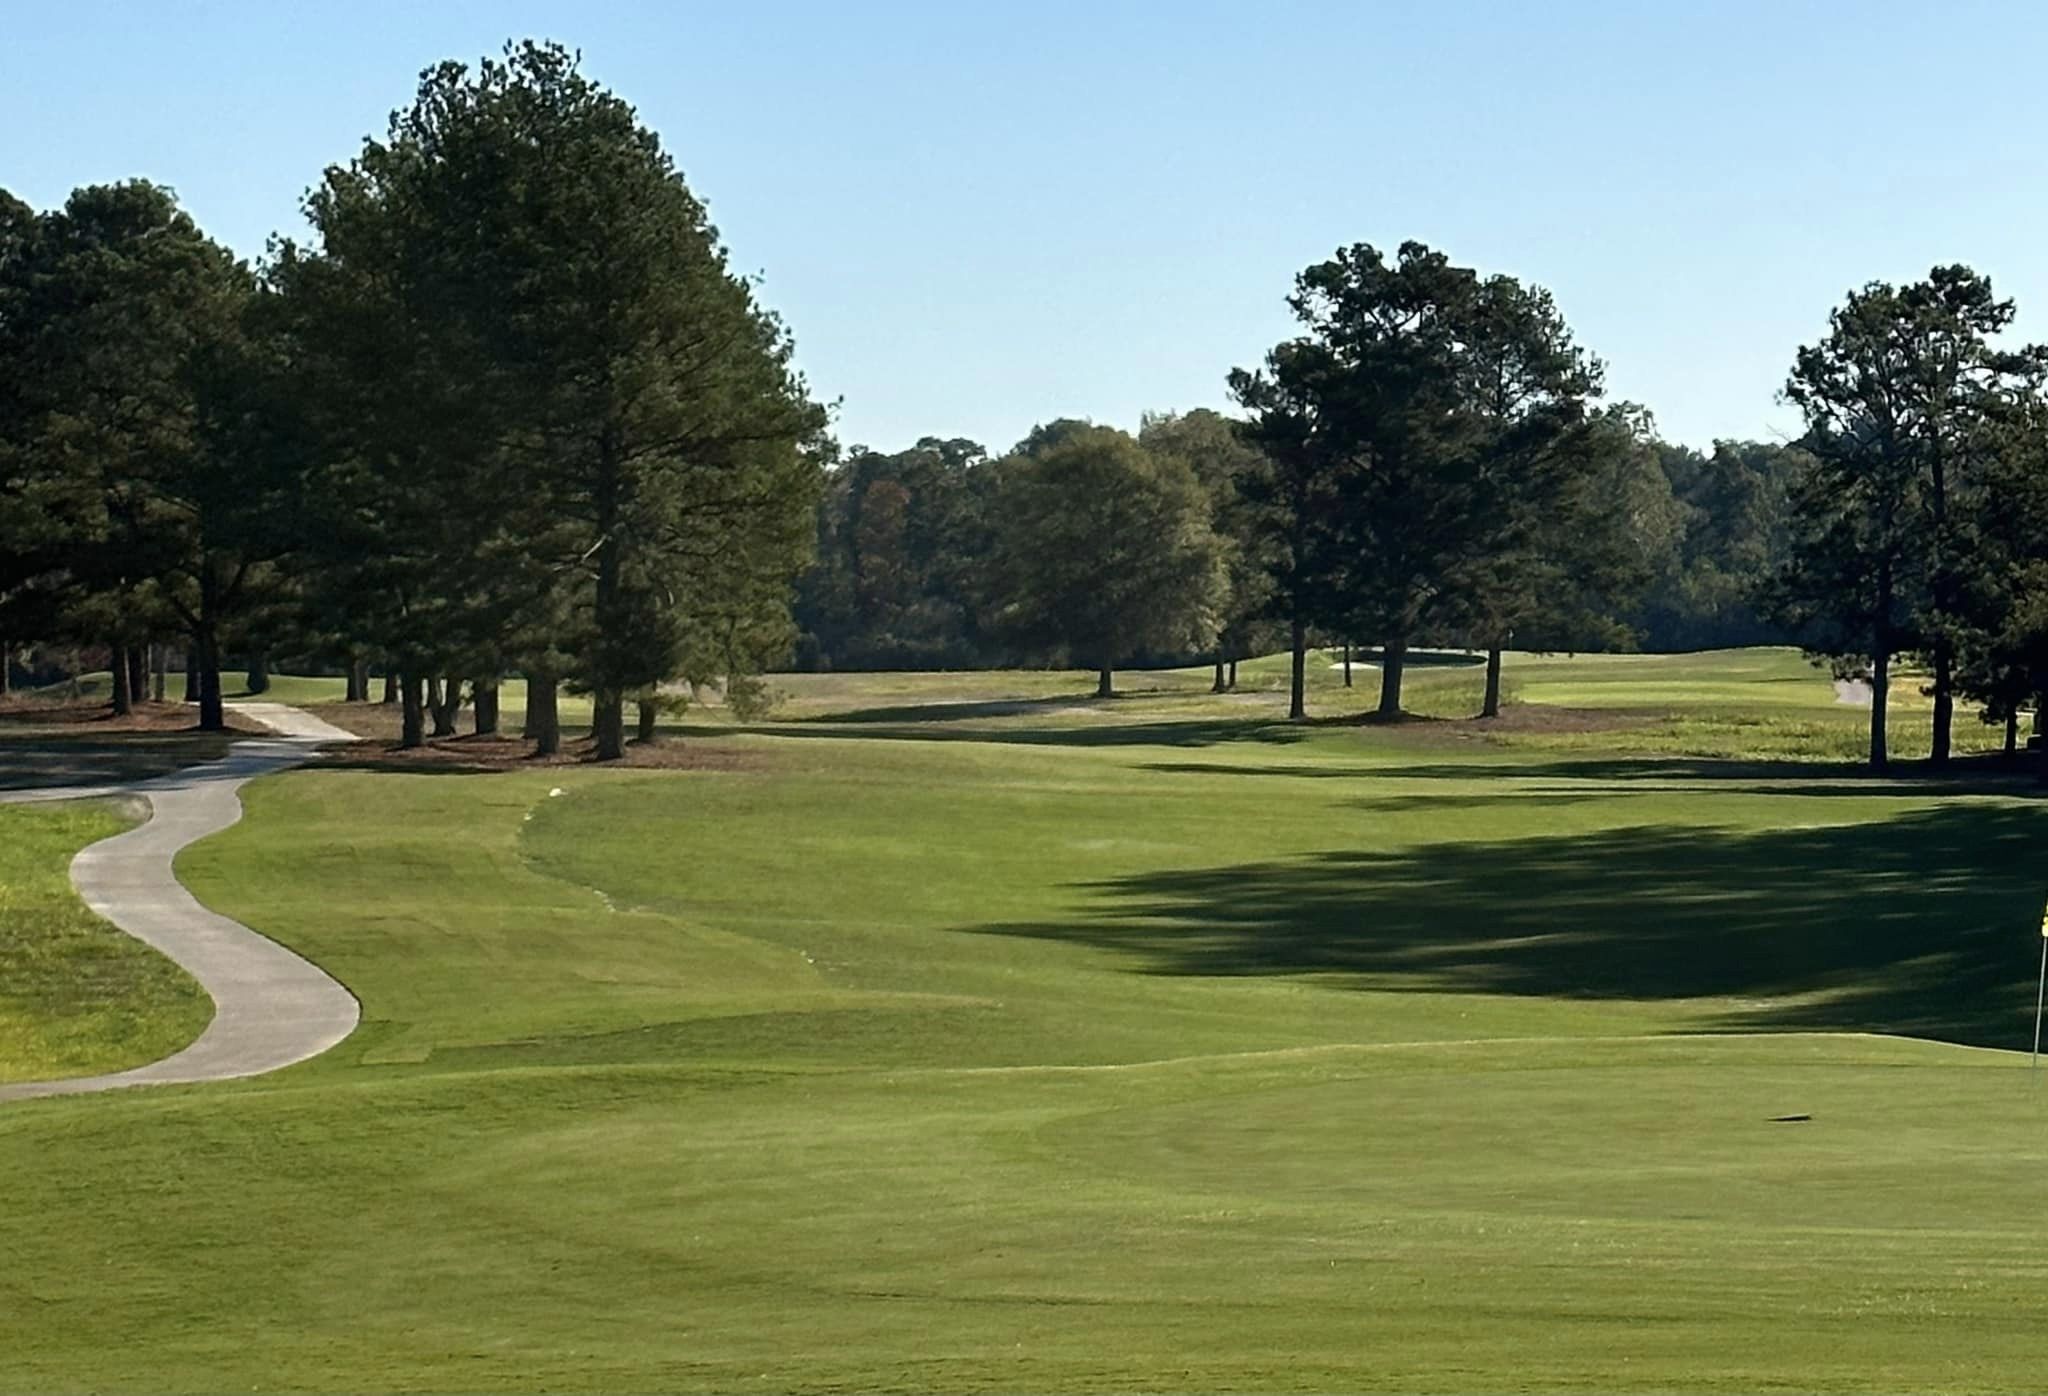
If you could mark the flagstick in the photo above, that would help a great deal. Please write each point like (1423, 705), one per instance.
(2040, 995)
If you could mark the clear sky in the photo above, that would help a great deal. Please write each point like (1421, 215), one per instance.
(977, 216)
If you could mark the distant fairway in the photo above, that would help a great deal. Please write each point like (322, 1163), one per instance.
(959, 1032)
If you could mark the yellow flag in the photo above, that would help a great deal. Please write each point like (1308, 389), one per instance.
(2044, 925)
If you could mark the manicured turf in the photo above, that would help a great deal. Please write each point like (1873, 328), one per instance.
(77, 996)
(934, 1037)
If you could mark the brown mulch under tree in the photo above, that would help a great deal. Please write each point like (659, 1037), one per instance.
(94, 714)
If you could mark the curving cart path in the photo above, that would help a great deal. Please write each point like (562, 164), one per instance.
(271, 1007)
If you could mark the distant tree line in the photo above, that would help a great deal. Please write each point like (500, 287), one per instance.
(508, 411)
(1427, 463)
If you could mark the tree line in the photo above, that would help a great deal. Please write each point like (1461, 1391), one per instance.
(507, 410)
(1428, 461)
(903, 537)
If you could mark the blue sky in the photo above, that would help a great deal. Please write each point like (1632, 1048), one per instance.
(980, 216)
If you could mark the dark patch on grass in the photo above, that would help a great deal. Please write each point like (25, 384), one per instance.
(1978, 775)
(32, 759)
(1193, 732)
(1921, 925)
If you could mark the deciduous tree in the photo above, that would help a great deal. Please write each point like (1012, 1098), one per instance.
(1105, 549)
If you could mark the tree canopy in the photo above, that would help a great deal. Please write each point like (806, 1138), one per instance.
(1104, 549)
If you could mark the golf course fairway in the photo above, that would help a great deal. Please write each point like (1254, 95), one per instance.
(963, 1033)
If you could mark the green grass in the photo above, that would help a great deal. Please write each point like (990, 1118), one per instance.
(77, 996)
(957, 1032)
(1755, 704)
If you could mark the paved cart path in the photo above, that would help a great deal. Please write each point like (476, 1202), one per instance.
(271, 1007)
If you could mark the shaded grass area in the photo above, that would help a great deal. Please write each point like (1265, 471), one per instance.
(76, 995)
(29, 760)
(58, 741)
(1168, 1048)
(1911, 932)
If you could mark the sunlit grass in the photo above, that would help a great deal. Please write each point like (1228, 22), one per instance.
(961, 1032)
(76, 995)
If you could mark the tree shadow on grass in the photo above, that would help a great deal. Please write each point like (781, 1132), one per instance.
(1921, 925)
(1975, 776)
(965, 710)
(1194, 732)
(32, 760)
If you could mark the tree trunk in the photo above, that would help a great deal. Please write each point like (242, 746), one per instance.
(1392, 659)
(1233, 675)
(1105, 682)
(446, 702)
(259, 673)
(543, 714)
(1297, 691)
(356, 681)
(2012, 730)
(6, 669)
(486, 707)
(412, 704)
(608, 724)
(1218, 686)
(138, 672)
(1944, 703)
(1347, 664)
(191, 673)
(609, 605)
(213, 715)
(1880, 693)
(159, 663)
(1491, 706)
(390, 685)
(122, 676)
(647, 716)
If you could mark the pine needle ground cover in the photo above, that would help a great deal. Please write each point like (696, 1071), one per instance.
(1149, 1044)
